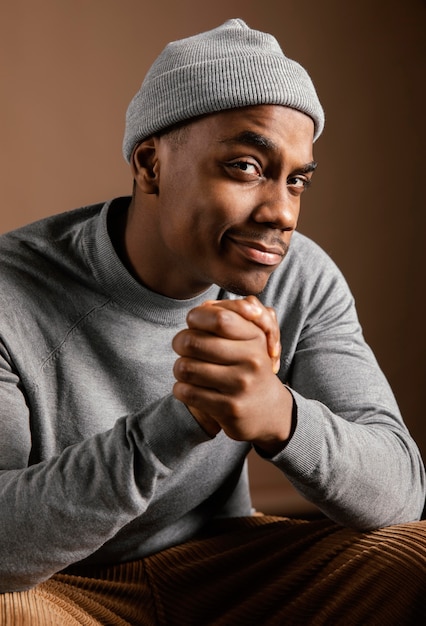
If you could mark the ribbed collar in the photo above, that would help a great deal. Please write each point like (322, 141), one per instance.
(119, 284)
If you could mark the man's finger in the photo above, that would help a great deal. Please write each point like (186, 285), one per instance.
(264, 317)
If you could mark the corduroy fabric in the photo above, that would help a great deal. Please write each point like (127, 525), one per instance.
(229, 67)
(264, 571)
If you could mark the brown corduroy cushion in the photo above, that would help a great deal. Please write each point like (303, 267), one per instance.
(266, 571)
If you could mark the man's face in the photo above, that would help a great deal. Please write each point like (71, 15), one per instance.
(228, 201)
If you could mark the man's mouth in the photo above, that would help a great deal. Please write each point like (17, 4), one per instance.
(261, 252)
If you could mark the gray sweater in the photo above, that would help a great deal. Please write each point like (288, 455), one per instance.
(100, 463)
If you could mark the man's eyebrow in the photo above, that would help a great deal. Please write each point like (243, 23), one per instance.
(308, 168)
(250, 138)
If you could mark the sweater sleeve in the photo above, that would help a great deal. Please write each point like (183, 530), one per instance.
(351, 453)
(59, 511)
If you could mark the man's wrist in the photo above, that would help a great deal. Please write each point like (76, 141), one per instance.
(209, 425)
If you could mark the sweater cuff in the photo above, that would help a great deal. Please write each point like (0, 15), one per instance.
(171, 432)
(303, 452)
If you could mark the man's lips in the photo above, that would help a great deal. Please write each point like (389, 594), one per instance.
(259, 251)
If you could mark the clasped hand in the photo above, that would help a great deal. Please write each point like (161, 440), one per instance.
(226, 372)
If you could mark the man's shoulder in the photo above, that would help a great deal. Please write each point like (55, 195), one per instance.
(307, 272)
(42, 254)
(307, 258)
(45, 278)
(301, 243)
(49, 228)
(47, 242)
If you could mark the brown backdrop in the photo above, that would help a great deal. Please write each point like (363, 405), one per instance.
(69, 68)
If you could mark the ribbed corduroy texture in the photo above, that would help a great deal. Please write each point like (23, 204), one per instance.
(262, 571)
(229, 67)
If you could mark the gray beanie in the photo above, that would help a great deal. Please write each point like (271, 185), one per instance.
(228, 67)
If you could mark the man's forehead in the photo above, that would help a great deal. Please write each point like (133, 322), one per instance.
(265, 127)
(251, 138)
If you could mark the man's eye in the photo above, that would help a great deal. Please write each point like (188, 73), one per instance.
(298, 182)
(246, 167)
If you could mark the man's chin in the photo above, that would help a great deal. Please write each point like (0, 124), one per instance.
(244, 288)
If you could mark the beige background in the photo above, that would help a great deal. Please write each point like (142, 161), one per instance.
(69, 68)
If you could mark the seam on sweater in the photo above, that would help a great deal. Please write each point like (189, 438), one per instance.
(71, 330)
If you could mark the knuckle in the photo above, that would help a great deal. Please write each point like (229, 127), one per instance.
(272, 313)
(242, 383)
(191, 397)
(234, 413)
(257, 362)
(191, 343)
(183, 370)
(223, 320)
(186, 393)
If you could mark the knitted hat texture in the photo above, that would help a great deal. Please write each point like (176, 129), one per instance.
(228, 67)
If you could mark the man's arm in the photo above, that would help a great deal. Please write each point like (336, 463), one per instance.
(60, 511)
(350, 458)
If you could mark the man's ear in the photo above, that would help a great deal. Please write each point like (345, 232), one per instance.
(145, 166)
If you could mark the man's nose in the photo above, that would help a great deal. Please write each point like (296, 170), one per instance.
(279, 209)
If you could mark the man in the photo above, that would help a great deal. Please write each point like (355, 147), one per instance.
(149, 343)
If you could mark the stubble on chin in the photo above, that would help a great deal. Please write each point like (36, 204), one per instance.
(243, 288)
